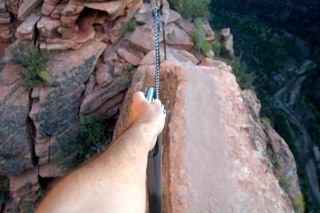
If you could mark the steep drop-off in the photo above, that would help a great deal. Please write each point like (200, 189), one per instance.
(217, 154)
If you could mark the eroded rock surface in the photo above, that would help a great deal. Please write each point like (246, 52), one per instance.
(214, 152)
(215, 149)
(51, 105)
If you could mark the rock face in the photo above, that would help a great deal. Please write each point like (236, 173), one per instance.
(223, 166)
(226, 40)
(15, 141)
(70, 71)
(215, 158)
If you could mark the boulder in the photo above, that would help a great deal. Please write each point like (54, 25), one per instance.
(143, 38)
(131, 58)
(208, 31)
(100, 95)
(213, 157)
(179, 39)
(103, 75)
(68, 33)
(186, 25)
(226, 39)
(50, 171)
(26, 30)
(48, 27)
(110, 107)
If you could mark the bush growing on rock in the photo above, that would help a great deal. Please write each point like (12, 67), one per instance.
(34, 61)
(197, 32)
(191, 9)
(298, 203)
(129, 26)
(130, 69)
(244, 78)
(90, 141)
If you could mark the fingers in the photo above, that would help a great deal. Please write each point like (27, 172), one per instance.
(139, 97)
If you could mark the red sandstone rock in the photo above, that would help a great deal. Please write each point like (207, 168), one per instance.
(103, 75)
(208, 122)
(26, 179)
(48, 27)
(131, 58)
(110, 107)
(57, 12)
(68, 33)
(47, 8)
(285, 167)
(10, 74)
(178, 56)
(26, 7)
(50, 170)
(110, 7)
(5, 18)
(179, 39)
(145, 16)
(186, 25)
(209, 32)
(90, 85)
(100, 95)
(3, 8)
(26, 30)
(5, 33)
(72, 9)
(143, 38)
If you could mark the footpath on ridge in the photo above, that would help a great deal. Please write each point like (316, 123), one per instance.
(213, 152)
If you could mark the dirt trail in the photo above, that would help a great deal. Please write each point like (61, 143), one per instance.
(222, 170)
(204, 143)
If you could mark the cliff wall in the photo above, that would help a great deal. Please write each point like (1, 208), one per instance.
(232, 163)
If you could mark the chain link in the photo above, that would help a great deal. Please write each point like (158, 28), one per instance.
(156, 13)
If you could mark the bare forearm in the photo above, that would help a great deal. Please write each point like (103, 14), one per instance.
(112, 182)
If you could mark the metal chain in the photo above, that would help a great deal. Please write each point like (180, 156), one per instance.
(156, 13)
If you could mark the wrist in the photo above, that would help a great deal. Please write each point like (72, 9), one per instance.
(144, 131)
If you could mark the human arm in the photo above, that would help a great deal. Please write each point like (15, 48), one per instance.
(115, 181)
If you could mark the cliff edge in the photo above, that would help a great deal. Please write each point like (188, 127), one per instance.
(217, 155)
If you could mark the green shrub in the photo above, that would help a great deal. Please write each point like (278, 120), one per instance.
(298, 203)
(197, 32)
(216, 45)
(34, 61)
(90, 141)
(129, 26)
(191, 9)
(266, 122)
(244, 78)
(130, 69)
